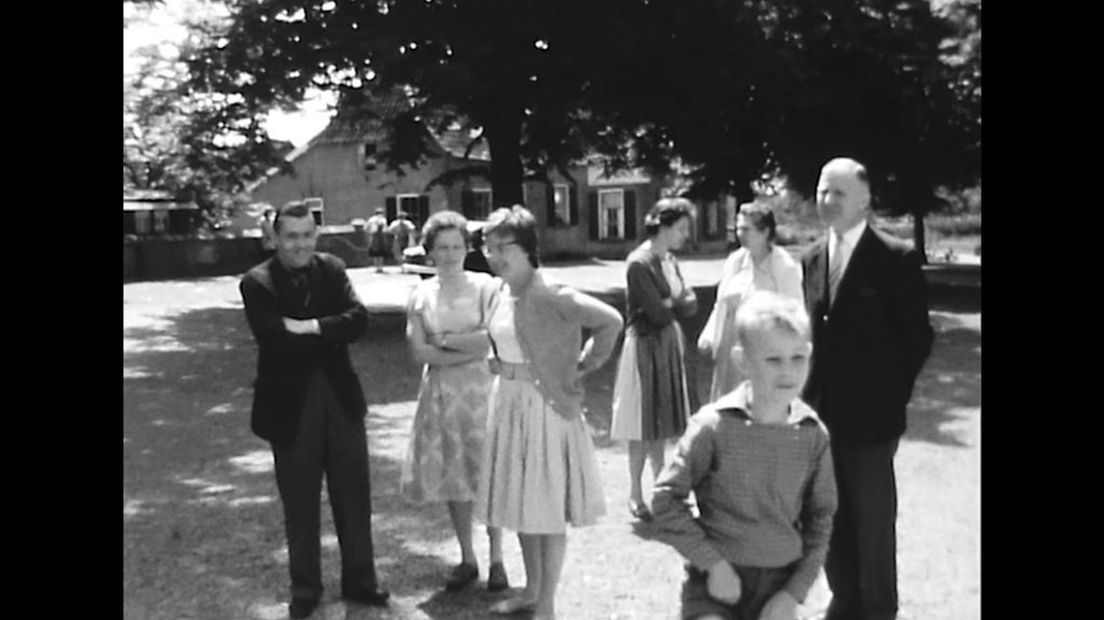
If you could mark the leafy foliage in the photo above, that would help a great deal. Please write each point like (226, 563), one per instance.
(730, 91)
(198, 146)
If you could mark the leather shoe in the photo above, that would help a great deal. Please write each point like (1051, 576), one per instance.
(640, 511)
(496, 578)
(302, 607)
(462, 575)
(375, 598)
(513, 605)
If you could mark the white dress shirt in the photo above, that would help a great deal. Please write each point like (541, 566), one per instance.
(850, 239)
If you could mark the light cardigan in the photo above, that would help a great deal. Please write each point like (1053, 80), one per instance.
(548, 322)
(737, 271)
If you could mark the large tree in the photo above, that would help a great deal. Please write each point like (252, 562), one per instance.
(778, 87)
(732, 90)
(873, 80)
(544, 82)
(195, 146)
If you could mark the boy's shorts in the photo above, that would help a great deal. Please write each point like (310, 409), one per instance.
(757, 585)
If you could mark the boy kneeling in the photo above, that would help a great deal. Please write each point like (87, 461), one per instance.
(761, 471)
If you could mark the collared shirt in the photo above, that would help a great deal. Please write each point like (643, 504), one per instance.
(850, 238)
(766, 493)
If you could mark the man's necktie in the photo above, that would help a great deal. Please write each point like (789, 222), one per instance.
(300, 283)
(835, 270)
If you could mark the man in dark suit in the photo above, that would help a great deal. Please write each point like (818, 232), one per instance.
(308, 404)
(867, 299)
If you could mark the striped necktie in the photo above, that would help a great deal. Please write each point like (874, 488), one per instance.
(835, 269)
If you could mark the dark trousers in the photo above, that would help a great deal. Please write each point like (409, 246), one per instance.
(757, 586)
(327, 442)
(862, 555)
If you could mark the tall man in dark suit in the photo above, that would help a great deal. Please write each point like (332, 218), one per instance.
(308, 403)
(867, 298)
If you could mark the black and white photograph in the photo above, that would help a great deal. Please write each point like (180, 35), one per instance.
(551, 309)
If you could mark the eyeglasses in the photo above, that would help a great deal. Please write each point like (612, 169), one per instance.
(496, 248)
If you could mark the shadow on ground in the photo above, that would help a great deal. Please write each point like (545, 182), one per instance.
(200, 502)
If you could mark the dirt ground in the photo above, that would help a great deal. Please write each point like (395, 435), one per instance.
(203, 530)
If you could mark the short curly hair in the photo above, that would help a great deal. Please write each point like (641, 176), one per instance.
(441, 221)
(761, 217)
(519, 222)
(765, 310)
(667, 212)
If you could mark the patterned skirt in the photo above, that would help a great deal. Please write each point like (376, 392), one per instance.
(540, 472)
(445, 455)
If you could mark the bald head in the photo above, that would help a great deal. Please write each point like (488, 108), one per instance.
(843, 194)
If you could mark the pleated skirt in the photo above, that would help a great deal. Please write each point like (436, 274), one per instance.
(651, 396)
(539, 470)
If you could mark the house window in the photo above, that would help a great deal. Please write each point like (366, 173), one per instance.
(477, 203)
(315, 206)
(611, 214)
(142, 222)
(561, 196)
(369, 157)
(416, 207)
(160, 220)
(482, 203)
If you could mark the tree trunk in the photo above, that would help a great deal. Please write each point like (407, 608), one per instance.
(918, 240)
(504, 142)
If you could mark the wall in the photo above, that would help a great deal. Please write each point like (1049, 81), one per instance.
(333, 173)
(179, 256)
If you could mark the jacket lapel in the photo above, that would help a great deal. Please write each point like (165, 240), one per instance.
(817, 274)
(860, 257)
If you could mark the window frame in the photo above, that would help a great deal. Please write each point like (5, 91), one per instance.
(490, 200)
(565, 214)
(316, 204)
(603, 233)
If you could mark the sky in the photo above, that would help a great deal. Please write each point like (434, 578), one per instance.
(163, 24)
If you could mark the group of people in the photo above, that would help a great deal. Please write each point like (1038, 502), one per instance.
(790, 464)
(388, 240)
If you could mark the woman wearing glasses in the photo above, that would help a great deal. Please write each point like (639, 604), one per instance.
(540, 472)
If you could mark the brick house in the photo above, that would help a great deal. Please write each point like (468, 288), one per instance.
(589, 214)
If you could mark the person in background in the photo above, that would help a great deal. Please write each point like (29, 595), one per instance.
(758, 265)
(268, 234)
(378, 248)
(651, 399)
(402, 235)
(475, 260)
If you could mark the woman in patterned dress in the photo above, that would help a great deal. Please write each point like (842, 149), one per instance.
(446, 332)
(651, 398)
(758, 265)
(540, 472)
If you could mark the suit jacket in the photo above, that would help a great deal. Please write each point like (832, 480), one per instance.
(286, 361)
(870, 346)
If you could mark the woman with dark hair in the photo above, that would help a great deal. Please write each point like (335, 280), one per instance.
(651, 397)
(758, 265)
(540, 472)
(447, 332)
